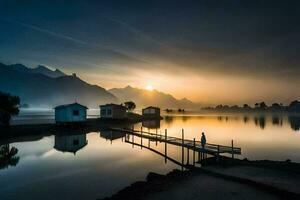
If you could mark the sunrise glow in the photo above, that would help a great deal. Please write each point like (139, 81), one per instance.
(149, 87)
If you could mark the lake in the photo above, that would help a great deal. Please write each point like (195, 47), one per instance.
(78, 165)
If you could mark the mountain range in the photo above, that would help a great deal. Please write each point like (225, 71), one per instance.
(144, 98)
(43, 87)
(40, 69)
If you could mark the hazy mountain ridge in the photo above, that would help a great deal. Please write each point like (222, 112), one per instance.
(40, 69)
(40, 90)
(144, 98)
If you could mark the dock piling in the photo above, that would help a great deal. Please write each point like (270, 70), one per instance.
(194, 148)
(156, 137)
(165, 145)
(218, 153)
(182, 147)
(232, 152)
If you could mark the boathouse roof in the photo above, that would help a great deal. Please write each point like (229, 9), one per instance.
(68, 105)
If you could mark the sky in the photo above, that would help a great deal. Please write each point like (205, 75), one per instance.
(209, 51)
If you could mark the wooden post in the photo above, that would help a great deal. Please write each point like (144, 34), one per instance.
(232, 152)
(165, 145)
(182, 148)
(194, 151)
(141, 141)
(149, 143)
(156, 137)
(133, 141)
(218, 154)
(111, 137)
(188, 156)
(141, 130)
(166, 134)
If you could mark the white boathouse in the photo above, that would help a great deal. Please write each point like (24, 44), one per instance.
(70, 113)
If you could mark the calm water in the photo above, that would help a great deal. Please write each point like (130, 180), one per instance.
(94, 165)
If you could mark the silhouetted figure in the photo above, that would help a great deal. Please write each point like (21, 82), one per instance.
(203, 140)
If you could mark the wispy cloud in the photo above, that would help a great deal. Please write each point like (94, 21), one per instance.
(134, 30)
(46, 31)
(116, 50)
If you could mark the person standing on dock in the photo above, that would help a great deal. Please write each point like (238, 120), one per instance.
(203, 140)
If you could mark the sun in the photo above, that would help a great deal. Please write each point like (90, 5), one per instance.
(149, 87)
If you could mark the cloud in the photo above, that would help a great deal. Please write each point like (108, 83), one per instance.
(36, 28)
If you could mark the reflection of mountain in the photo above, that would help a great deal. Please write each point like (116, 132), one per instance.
(8, 156)
(111, 135)
(70, 143)
(42, 88)
(151, 124)
(295, 122)
(152, 98)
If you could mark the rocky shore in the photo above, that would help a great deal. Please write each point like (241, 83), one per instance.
(234, 179)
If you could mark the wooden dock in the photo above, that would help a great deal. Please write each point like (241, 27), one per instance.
(194, 145)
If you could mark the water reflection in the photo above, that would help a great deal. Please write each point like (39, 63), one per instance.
(70, 143)
(8, 156)
(152, 124)
(111, 134)
(295, 122)
(277, 120)
(101, 168)
(259, 120)
(245, 119)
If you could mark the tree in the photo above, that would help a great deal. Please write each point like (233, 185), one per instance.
(130, 105)
(276, 107)
(294, 106)
(9, 106)
(246, 107)
(263, 105)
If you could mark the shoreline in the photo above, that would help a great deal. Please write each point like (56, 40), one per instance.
(157, 185)
(91, 124)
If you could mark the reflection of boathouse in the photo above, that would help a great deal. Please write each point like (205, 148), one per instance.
(112, 135)
(70, 143)
(151, 123)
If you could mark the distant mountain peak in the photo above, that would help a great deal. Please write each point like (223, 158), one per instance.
(48, 72)
(41, 67)
(143, 97)
(128, 87)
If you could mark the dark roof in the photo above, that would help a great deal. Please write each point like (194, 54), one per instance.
(72, 104)
(150, 107)
(112, 104)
